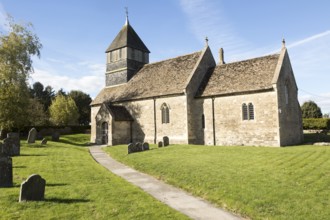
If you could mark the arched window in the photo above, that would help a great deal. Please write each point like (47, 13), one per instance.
(251, 111)
(286, 94)
(165, 114)
(247, 111)
(203, 121)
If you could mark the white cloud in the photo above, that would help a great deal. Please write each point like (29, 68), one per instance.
(90, 78)
(3, 18)
(208, 20)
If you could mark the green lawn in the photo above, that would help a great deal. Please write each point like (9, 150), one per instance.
(256, 182)
(77, 187)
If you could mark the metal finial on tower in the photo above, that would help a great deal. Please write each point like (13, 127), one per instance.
(126, 11)
(206, 42)
(283, 43)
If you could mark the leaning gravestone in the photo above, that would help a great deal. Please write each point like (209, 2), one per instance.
(33, 189)
(145, 146)
(56, 136)
(166, 141)
(6, 171)
(130, 148)
(32, 136)
(44, 141)
(160, 144)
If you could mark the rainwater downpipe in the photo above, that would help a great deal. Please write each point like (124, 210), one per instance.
(213, 121)
(155, 122)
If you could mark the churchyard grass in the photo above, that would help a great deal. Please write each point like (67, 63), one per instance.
(256, 182)
(76, 187)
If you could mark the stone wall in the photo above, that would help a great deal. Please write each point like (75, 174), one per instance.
(231, 129)
(290, 118)
(94, 111)
(144, 127)
(121, 133)
(195, 106)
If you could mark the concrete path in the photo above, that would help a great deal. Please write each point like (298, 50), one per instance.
(193, 207)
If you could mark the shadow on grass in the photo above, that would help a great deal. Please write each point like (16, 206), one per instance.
(33, 155)
(19, 167)
(87, 144)
(316, 137)
(56, 184)
(66, 201)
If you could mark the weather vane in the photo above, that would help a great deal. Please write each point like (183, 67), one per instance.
(126, 11)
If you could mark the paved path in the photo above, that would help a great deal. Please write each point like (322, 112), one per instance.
(195, 208)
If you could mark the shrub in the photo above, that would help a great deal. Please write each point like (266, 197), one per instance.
(316, 123)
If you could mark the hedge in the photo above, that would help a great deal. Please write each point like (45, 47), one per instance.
(316, 123)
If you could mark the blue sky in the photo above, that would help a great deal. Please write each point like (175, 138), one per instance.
(75, 35)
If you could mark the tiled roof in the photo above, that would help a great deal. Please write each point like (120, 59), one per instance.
(240, 77)
(162, 78)
(127, 37)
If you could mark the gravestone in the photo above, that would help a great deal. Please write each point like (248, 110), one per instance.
(15, 143)
(130, 148)
(166, 141)
(44, 141)
(32, 136)
(138, 147)
(11, 145)
(160, 144)
(6, 171)
(33, 189)
(145, 146)
(56, 136)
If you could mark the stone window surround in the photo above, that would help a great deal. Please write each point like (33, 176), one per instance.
(248, 111)
(165, 113)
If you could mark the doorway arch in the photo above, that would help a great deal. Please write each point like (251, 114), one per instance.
(104, 132)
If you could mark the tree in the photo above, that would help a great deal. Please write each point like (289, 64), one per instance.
(82, 101)
(16, 49)
(36, 113)
(63, 111)
(43, 95)
(311, 110)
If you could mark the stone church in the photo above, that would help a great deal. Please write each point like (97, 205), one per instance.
(192, 99)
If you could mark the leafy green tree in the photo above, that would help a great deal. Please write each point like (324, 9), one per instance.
(82, 101)
(43, 95)
(63, 111)
(311, 110)
(16, 50)
(36, 113)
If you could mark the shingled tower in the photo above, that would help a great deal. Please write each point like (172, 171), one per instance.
(125, 56)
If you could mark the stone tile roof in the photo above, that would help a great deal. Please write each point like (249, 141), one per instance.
(240, 77)
(120, 113)
(127, 37)
(162, 78)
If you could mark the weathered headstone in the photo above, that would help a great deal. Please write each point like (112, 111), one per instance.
(145, 146)
(138, 147)
(15, 143)
(166, 141)
(32, 136)
(6, 171)
(130, 148)
(160, 144)
(44, 141)
(56, 136)
(11, 145)
(33, 189)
